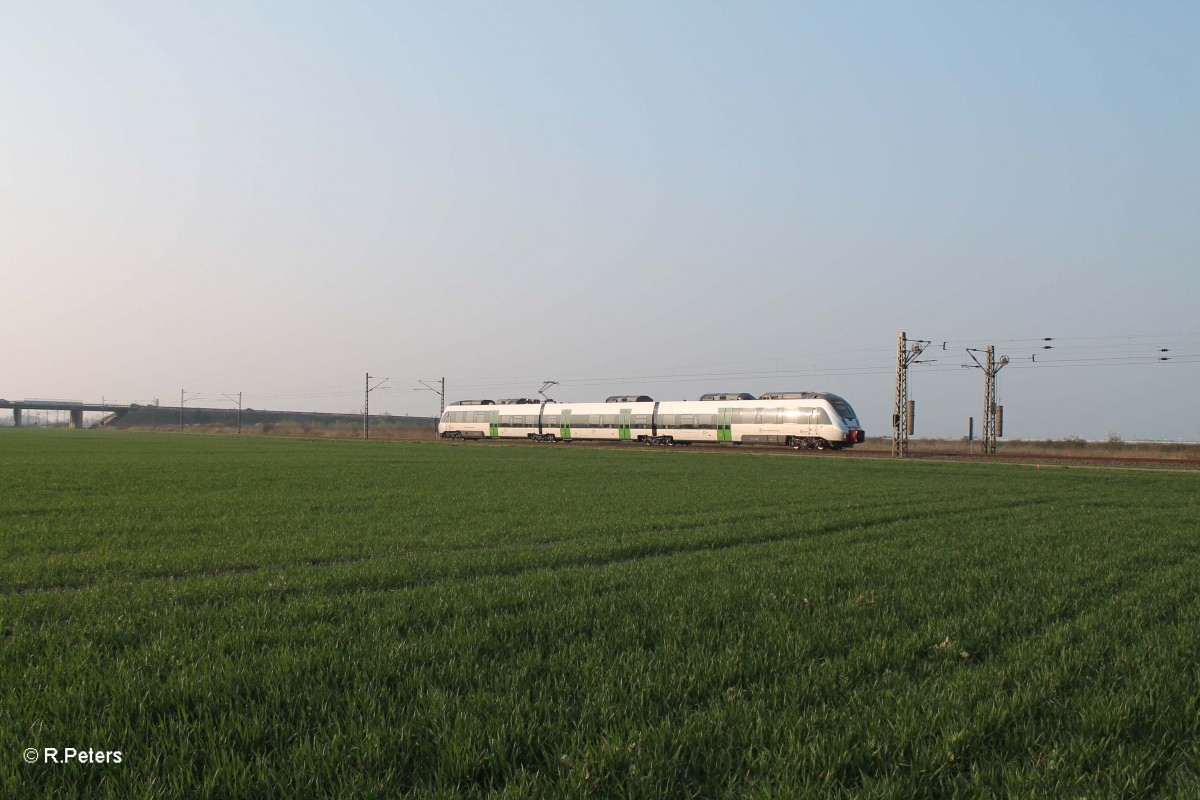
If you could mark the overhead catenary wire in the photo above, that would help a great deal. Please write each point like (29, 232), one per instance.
(668, 377)
(882, 368)
(1165, 350)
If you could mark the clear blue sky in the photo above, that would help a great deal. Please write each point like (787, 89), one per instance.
(669, 198)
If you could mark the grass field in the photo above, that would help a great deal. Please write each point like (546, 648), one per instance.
(257, 617)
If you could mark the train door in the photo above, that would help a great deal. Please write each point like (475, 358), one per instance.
(494, 424)
(623, 424)
(564, 424)
(808, 420)
(724, 423)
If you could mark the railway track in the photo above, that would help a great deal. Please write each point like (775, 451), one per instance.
(1128, 462)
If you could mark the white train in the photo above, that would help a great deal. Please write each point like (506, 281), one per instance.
(797, 419)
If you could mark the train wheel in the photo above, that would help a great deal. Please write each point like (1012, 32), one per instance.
(820, 444)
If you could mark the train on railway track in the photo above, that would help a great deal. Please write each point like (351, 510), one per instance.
(816, 420)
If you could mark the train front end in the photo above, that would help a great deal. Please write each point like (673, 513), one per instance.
(851, 429)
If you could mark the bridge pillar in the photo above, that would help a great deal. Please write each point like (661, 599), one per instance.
(76, 418)
(16, 417)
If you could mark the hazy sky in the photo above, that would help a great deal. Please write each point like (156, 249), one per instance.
(669, 198)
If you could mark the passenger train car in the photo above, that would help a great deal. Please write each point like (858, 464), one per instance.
(797, 419)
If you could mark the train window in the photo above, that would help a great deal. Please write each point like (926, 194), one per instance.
(820, 417)
(667, 420)
(705, 421)
(641, 420)
(768, 416)
(481, 416)
(687, 420)
(842, 408)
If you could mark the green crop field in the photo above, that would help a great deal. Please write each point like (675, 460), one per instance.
(250, 617)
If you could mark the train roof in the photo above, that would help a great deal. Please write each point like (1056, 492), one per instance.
(800, 396)
(642, 398)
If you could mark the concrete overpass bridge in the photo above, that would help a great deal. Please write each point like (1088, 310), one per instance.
(75, 408)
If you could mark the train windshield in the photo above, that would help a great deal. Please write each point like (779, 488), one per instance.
(843, 409)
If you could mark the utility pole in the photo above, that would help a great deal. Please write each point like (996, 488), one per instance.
(990, 368)
(183, 398)
(902, 414)
(239, 414)
(440, 392)
(368, 388)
